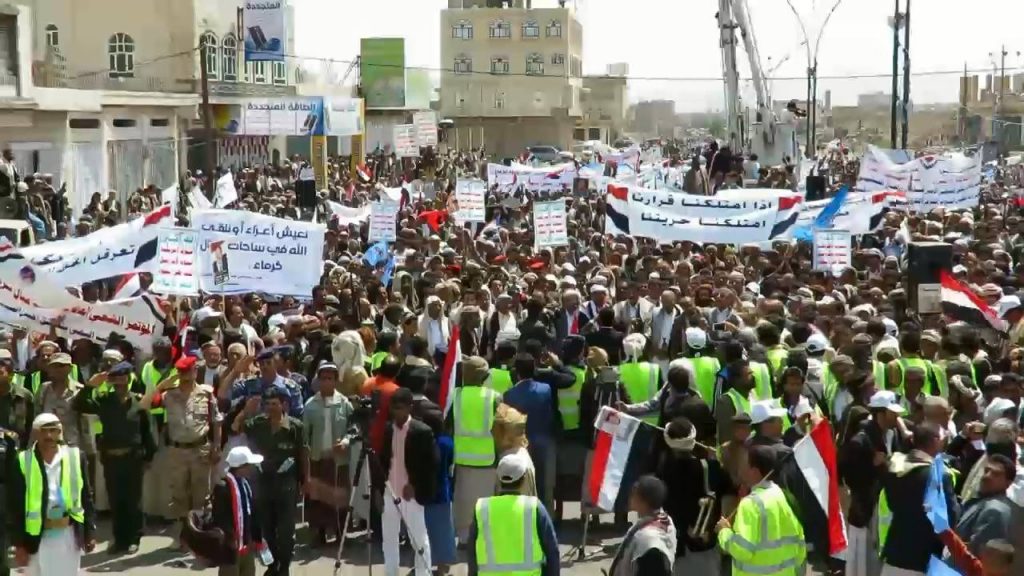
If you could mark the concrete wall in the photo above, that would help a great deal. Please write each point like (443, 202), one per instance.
(508, 137)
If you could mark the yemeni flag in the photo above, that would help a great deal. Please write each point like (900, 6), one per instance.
(622, 449)
(788, 214)
(961, 303)
(450, 371)
(812, 481)
(127, 286)
(616, 221)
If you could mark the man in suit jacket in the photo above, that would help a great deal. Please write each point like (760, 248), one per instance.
(634, 308)
(667, 326)
(606, 337)
(569, 319)
(410, 460)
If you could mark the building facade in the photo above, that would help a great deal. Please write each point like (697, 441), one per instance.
(512, 74)
(605, 101)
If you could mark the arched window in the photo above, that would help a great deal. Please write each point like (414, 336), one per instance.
(535, 65)
(500, 29)
(211, 52)
(555, 29)
(463, 30)
(52, 36)
(531, 29)
(121, 51)
(230, 57)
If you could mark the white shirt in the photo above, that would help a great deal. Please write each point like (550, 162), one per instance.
(437, 335)
(53, 474)
(666, 327)
(328, 435)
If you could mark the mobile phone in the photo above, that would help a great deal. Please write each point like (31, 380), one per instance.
(718, 326)
(259, 39)
(310, 123)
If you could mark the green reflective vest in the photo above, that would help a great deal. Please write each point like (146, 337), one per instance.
(151, 377)
(70, 485)
(569, 400)
(939, 370)
(376, 360)
(778, 357)
(705, 370)
(105, 388)
(878, 370)
(921, 363)
(740, 403)
(37, 379)
(829, 383)
(642, 383)
(500, 380)
(882, 509)
(766, 539)
(507, 542)
(473, 418)
(762, 381)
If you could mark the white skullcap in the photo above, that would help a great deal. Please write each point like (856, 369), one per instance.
(633, 346)
(44, 420)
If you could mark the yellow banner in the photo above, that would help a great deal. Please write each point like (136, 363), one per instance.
(318, 156)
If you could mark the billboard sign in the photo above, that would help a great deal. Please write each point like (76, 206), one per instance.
(382, 72)
(264, 30)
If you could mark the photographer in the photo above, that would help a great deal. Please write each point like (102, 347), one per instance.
(326, 420)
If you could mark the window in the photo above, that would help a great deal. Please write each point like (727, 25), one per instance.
(280, 73)
(499, 100)
(209, 51)
(501, 29)
(460, 101)
(499, 65)
(230, 56)
(558, 59)
(555, 29)
(124, 123)
(535, 65)
(247, 72)
(463, 31)
(259, 72)
(121, 51)
(52, 36)
(531, 29)
(463, 65)
(595, 133)
(159, 122)
(84, 123)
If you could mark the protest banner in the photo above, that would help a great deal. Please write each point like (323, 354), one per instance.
(550, 227)
(177, 273)
(265, 30)
(471, 198)
(225, 192)
(347, 215)
(546, 179)
(426, 127)
(405, 139)
(833, 250)
(382, 221)
(242, 252)
(108, 252)
(949, 181)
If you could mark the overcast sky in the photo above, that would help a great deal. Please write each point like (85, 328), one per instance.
(679, 39)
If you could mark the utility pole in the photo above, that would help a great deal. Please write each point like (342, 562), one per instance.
(1002, 94)
(906, 76)
(895, 72)
(965, 84)
(208, 135)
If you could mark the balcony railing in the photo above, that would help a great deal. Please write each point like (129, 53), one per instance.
(50, 75)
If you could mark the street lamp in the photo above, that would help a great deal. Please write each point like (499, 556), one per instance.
(812, 73)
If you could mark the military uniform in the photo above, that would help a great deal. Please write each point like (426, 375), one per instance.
(284, 452)
(8, 466)
(17, 409)
(125, 447)
(190, 419)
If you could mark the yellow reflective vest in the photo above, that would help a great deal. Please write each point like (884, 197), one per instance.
(740, 403)
(705, 370)
(501, 380)
(151, 378)
(376, 360)
(766, 538)
(762, 380)
(507, 541)
(569, 400)
(71, 483)
(37, 379)
(884, 513)
(473, 419)
(642, 382)
(778, 357)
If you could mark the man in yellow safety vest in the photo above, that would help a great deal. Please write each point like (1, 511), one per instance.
(511, 534)
(57, 529)
(738, 386)
(704, 367)
(765, 538)
(472, 421)
(641, 379)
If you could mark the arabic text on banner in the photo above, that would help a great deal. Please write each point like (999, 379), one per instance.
(248, 252)
(294, 116)
(833, 250)
(264, 30)
(382, 221)
(549, 224)
(426, 127)
(951, 180)
(547, 179)
(344, 116)
(108, 252)
(471, 196)
(405, 141)
(176, 272)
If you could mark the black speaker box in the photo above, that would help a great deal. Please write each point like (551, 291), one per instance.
(924, 262)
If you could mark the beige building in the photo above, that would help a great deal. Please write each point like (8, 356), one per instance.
(103, 93)
(513, 75)
(605, 100)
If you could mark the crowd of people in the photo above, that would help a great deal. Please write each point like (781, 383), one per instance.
(258, 402)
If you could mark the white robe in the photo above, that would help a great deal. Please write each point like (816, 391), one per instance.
(58, 554)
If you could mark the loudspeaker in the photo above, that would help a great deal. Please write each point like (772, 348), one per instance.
(925, 261)
(816, 188)
(305, 193)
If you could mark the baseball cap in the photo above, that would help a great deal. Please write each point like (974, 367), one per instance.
(765, 410)
(241, 456)
(696, 338)
(511, 468)
(885, 399)
(816, 343)
(60, 359)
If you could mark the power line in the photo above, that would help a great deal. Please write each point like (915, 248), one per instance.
(136, 64)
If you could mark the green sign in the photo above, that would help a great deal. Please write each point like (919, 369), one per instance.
(382, 72)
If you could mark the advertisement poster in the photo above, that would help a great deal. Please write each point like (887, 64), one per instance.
(273, 117)
(382, 72)
(344, 116)
(264, 30)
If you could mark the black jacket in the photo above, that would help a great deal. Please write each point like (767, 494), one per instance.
(610, 340)
(421, 460)
(224, 518)
(912, 541)
(16, 497)
(863, 478)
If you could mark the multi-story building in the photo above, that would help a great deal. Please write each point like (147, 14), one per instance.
(512, 74)
(655, 118)
(605, 100)
(103, 94)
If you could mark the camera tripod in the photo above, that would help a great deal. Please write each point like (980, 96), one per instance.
(362, 467)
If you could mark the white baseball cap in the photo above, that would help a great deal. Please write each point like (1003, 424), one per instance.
(803, 406)
(816, 343)
(890, 327)
(696, 338)
(886, 399)
(511, 468)
(241, 456)
(765, 410)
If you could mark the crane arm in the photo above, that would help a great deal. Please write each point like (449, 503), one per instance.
(753, 56)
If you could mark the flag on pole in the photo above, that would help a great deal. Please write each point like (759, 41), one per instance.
(622, 447)
(935, 496)
(450, 370)
(961, 303)
(812, 478)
